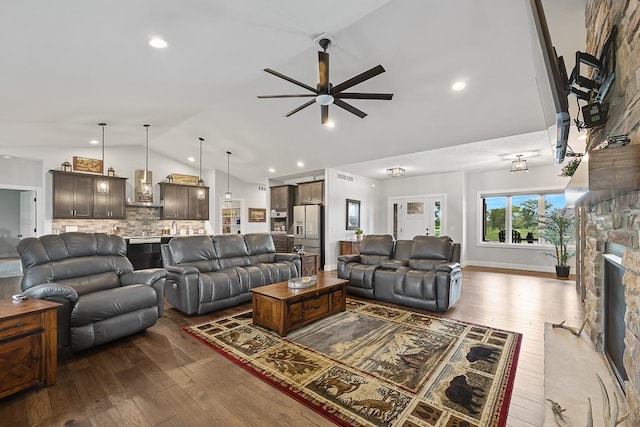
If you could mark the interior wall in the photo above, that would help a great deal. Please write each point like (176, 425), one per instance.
(251, 196)
(336, 193)
(539, 178)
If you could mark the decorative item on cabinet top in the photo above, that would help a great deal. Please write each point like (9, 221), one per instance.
(84, 164)
(177, 178)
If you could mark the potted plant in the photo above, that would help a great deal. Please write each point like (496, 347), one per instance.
(558, 228)
(570, 168)
(358, 232)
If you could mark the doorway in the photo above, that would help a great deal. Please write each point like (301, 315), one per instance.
(416, 215)
(18, 219)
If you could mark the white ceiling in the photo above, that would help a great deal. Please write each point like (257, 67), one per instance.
(67, 65)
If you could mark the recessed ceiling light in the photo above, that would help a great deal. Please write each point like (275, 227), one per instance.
(94, 142)
(158, 43)
(330, 125)
(272, 170)
(458, 85)
(191, 159)
(6, 156)
(300, 164)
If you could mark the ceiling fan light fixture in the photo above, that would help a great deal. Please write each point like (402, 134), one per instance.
(330, 124)
(395, 172)
(324, 99)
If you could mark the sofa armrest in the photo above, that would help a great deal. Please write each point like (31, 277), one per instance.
(349, 258)
(286, 257)
(147, 277)
(181, 270)
(393, 264)
(53, 292)
(154, 277)
(448, 267)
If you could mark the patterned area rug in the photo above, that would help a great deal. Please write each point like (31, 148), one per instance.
(379, 366)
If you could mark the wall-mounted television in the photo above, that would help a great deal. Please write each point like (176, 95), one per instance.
(558, 80)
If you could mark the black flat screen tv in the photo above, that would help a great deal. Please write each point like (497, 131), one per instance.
(557, 79)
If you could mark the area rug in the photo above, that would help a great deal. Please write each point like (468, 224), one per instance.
(375, 365)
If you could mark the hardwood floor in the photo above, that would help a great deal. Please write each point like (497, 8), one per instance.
(165, 378)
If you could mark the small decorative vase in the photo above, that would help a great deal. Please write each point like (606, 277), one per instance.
(358, 237)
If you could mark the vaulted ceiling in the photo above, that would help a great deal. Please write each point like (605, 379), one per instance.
(67, 65)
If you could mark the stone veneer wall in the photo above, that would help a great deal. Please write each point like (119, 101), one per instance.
(616, 220)
(139, 221)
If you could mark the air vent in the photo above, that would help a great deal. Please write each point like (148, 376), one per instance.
(344, 177)
(262, 188)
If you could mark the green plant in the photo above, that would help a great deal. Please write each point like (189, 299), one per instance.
(558, 228)
(570, 168)
(358, 231)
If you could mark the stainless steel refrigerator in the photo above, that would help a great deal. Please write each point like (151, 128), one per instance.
(308, 230)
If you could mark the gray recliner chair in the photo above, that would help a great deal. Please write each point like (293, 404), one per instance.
(360, 269)
(102, 297)
(430, 280)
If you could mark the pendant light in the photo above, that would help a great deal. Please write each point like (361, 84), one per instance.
(519, 166)
(227, 195)
(146, 185)
(200, 180)
(103, 185)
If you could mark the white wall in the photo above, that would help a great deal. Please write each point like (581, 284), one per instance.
(523, 257)
(336, 193)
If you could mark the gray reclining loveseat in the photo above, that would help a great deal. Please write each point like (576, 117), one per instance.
(89, 274)
(421, 273)
(207, 274)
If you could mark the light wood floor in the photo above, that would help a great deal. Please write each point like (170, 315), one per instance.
(165, 378)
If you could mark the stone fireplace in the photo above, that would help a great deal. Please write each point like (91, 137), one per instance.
(615, 217)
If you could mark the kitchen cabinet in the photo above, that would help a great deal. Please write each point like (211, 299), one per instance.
(182, 202)
(282, 197)
(28, 344)
(349, 247)
(72, 195)
(311, 193)
(283, 243)
(109, 204)
(199, 203)
(175, 198)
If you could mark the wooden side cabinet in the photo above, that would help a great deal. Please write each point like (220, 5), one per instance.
(28, 344)
(310, 264)
(349, 247)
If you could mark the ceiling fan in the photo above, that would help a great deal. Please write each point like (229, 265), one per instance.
(325, 93)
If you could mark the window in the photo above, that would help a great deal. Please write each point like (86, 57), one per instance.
(520, 225)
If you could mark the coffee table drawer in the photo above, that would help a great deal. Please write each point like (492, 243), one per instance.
(315, 307)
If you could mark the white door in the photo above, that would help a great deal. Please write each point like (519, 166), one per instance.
(27, 214)
(410, 217)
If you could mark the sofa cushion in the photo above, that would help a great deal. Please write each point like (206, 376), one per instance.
(101, 305)
(232, 250)
(194, 250)
(260, 247)
(376, 249)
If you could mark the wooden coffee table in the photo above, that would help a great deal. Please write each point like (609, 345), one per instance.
(282, 309)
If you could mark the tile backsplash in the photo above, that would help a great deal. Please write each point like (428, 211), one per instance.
(140, 221)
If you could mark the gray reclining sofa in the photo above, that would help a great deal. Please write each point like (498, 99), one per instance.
(421, 273)
(102, 298)
(207, 274)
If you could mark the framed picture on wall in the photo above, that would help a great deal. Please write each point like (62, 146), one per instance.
(257, 215)
(353, 214)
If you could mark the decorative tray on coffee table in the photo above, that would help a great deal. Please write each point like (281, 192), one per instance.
(302, 282)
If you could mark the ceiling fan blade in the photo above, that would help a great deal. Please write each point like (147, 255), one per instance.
(353, 95)
(358, 79)
(289, 79)
(323, 72)
(350, 108)
(287, 96)
(305, 105)
(324, 111)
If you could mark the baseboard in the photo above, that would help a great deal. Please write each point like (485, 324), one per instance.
(510, 266)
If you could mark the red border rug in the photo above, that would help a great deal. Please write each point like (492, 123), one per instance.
(375, 365)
